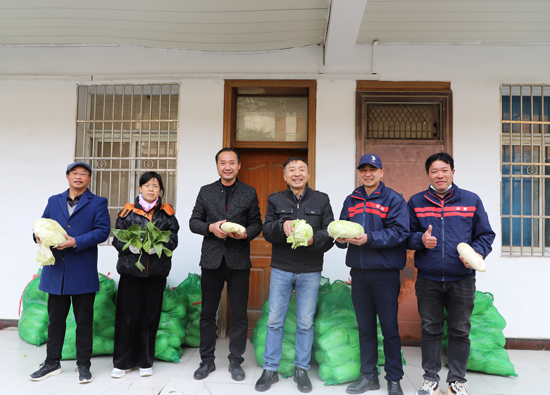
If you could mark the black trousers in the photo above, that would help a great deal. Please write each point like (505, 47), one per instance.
(138, 307)
(58, 309)
(212, 281)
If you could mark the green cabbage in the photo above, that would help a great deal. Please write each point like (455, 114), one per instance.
(50, 234)
(302, 233)
(344, 229)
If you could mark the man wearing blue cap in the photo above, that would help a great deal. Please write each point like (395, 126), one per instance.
(74, 277)
(375, 258)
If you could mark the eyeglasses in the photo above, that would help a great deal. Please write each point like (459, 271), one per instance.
(75, 174)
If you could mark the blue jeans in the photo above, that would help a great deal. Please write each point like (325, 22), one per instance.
(281, 285)
(376, 292)
(458, 298)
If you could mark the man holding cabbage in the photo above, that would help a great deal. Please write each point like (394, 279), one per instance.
(296, 225)
(73, 278)
(227, 214)
(441, 217)
(376, 257)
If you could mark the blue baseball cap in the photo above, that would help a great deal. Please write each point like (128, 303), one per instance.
(370, 159)
(81, 164)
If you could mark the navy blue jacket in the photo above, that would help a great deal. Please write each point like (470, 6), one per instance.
(458, 217)
(385, 219)
(75, 269)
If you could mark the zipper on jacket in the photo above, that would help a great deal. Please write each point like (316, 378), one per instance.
(364, 227)
(443, 239)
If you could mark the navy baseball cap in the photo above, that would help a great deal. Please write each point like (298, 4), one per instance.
(370, 159)
(81, 164)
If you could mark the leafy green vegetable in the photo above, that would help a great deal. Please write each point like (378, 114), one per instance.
(144, 239)
(50, 234)
(302, 233)
(345, 229)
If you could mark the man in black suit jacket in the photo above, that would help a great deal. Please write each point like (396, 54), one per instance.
(225, 257)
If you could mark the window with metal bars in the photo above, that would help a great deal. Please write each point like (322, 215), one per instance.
(525, 166)
(409, 121)
(123, 131)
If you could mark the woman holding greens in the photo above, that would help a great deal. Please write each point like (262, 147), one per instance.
(142, 277)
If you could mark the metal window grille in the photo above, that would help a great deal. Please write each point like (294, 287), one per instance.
(123, 131)
(418, 121)
(525, 167)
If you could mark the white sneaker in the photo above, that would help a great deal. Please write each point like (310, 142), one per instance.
(429, 388)
(118, 373)
(457, 388)
(144, 372)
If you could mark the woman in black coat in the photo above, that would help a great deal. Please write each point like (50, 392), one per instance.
(141, 285)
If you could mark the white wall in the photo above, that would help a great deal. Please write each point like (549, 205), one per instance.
(37, 123)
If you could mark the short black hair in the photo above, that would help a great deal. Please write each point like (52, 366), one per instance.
(227, 149)
(294, 159)
(146, 177)
(442, 156)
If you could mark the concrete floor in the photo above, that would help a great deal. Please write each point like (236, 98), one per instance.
(19, 359)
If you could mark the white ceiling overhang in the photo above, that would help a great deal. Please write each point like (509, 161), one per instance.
(242, 26)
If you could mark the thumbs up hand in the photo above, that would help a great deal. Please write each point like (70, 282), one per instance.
(429, 240)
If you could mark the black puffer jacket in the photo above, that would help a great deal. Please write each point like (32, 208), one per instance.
(314, 207)
(163, 216)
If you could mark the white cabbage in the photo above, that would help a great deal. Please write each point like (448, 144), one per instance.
(344, 229)
(301, 235)
(50, 234)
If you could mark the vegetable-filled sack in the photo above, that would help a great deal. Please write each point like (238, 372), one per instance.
(191, 287)
(344, 229)
(301, 235)
(173, 320)
(231, 227)
(336, 337)
(487, 353)
(33, 325)
(51, 234)
(144, 239)
(258, 339)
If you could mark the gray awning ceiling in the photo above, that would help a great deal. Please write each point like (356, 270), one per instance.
(270, 25)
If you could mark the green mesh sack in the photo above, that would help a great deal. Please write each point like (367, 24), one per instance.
(486, 338)
(172, 326)
(33, 325)
(336, 337)
(191, 288)
(258, 339)
(104, 322)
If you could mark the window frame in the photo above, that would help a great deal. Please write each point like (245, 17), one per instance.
(527, 172)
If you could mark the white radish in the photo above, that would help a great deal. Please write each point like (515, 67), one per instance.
(231, 227)
(471, 257)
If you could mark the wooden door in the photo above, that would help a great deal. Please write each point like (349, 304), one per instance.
(404, 172)
(262, 169)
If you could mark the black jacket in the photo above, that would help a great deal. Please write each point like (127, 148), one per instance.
(163, 216)
(242, 209)
(314, 207)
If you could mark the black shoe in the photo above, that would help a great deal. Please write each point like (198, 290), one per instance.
(394, 388)
(363, 385)
(237, 373)
(84, 374)
(46, 370)
(303, 381)
(205, 368)
(264, 382)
